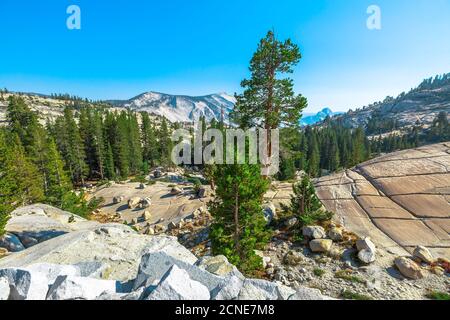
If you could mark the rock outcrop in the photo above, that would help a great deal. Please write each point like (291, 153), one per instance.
(400, 200)
(37, 223)
(112, 261)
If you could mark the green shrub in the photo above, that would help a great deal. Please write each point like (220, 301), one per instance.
(76, 204)
(306, 205)
(350, 295)
(438, 295)
(318, 272)
(346, 275)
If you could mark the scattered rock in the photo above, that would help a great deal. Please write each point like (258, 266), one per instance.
(335, 234)
(291, 222)
(141, 186)
(320, 245)
(145, 203)
(335, 253)
(117, 199)
(147, 215)
(134, 202)
(367, 250)
(314, 232)
(292, 258)
(409, 268)
(423, 255)
(365, 244)
(177, 285)
(160, 228)
(269, 211)
(157, 174)
(366, 256)
(172, 225)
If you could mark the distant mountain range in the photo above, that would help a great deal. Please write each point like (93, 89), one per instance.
(310, 119)
(419, 105)
(180, 108)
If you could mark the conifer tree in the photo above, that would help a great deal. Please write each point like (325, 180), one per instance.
(149, 143)
(268, 99)
(165, 143)
(71, 146)
(20, 181)
(305, 204)
(313, 154)
(134, 142)
(121, 146)
(239, 225)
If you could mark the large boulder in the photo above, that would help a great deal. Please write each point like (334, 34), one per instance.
(228, 289)
(134, 202)
(365, 244)
(71, 288)
(40, 209)
(4, 288)
(335, 234)
(219, 265)
(39, 222)
(32, 230)
(256, 289)
(366, 250)
(422, 254)
(314, 232)
(177, 285)
(320, 245)
(25, 285)
(11, 243)
(116, 246)
(367, 256)
(409, 268)
(32, 282)
(155, 265)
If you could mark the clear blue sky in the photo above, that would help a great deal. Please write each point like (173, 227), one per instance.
(203, 46)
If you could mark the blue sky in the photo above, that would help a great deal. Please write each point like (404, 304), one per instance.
(199, 47)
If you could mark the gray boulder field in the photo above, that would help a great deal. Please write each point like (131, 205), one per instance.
(113, 262)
